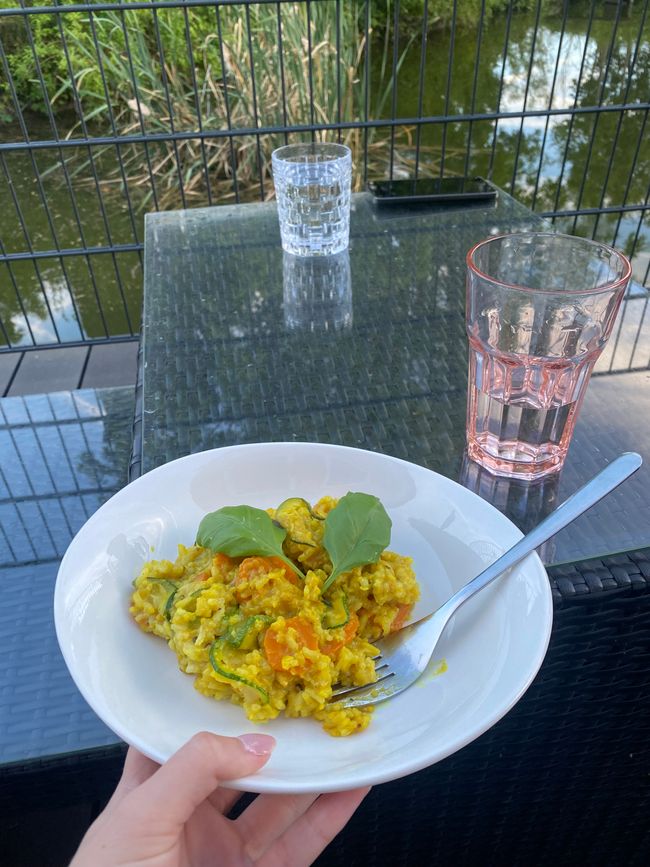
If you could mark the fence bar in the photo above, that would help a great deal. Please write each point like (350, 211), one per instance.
(126, 7)
(170, 109)
(550, 103)
(423, 61)
(498, 113)
(610, 53)
(310, 69)
(625, 307)
(73, 251)
(111, 118)
(53, 347)
(197, 104)
(526, 91)
(254, 97)
(149, 138)
(393, 97)
(366, 95)
(619, 123)
(575, 107)
(479, 40)
(338, 66)
(585, 212)
(283, 83)
(136, 94)
(452, 38)
(226, 99)
(631, 173)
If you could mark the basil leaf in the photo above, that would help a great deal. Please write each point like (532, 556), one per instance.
(242, 531)
(356, 532)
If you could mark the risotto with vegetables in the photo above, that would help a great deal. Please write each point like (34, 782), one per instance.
(273, 609)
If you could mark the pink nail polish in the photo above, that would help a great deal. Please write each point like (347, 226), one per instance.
(259, 745)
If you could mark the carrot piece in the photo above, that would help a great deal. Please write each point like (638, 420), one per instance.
(349, 631)
(401, 617)
(276, 646)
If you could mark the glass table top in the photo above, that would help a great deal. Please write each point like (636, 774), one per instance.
(242, 343)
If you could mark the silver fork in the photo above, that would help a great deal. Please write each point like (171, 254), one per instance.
(405, 655)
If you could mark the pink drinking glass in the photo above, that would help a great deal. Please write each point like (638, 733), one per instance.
(540, 308)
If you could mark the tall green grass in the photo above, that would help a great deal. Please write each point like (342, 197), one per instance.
(183, 70)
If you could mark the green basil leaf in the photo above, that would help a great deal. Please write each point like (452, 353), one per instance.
(243, 531)
(356, 532)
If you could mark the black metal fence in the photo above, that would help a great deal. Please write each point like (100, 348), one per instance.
(112, 109)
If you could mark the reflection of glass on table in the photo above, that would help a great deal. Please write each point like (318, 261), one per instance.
(317, 292)
(525, 502)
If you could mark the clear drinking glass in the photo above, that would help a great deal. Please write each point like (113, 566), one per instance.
(312, 187)
(540, 308)
(317, 292)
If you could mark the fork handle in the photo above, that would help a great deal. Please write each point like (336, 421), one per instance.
(584, 498)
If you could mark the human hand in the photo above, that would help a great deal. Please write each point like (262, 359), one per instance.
(174, 815)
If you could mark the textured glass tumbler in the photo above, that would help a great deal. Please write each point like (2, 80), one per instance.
(312, 187)
(540, 308)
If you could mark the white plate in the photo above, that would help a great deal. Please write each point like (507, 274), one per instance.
(493, 647)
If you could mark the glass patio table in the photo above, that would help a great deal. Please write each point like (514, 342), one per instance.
(242, 343)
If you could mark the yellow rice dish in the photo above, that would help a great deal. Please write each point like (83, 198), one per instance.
(250, 630)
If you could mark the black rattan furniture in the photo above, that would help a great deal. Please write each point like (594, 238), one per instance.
(240, 345)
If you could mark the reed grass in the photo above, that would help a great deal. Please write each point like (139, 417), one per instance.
(179, 70)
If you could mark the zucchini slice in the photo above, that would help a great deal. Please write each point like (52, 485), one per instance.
(172, 588)
(169, 604)
(216, 661)
(244, 634)
(295, 516)
(291, 503)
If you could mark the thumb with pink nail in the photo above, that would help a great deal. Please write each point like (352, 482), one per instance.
(176, 814)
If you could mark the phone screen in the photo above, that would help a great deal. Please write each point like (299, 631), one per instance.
(431, 188)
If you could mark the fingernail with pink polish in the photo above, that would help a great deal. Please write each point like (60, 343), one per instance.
(259, 745)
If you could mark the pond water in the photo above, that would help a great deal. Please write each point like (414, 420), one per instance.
(549, 164)
(525, 61)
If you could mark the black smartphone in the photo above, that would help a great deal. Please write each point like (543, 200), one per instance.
(430, 190)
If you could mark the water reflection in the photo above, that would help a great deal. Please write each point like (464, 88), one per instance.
(525, 503)
(577, 57)
(317, 292)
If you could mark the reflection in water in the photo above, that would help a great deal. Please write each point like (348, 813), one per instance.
(317, 292)
(525, 503)
(583, 55)
(56, 319)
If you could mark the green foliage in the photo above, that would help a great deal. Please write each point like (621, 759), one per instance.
(440, 13)
(100, 39)
(22, 44)
(243, 531)
(357, 530)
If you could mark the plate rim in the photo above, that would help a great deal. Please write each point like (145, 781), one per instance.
(257, 783)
